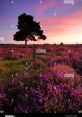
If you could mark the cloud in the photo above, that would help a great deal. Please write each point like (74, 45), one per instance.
(67, 23)
(72, 19)
(41, 8)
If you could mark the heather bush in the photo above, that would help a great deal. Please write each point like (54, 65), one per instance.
(65, 74)
(33, 85)
(43, 93)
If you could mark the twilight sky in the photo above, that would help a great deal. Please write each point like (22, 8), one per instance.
(61, 20)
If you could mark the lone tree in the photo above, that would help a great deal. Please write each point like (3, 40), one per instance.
(28, 29)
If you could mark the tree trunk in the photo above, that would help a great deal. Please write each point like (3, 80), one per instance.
(25, 43)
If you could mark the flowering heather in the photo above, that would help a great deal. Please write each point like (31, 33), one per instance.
(60, 72)
(44, 93)
(33, 85)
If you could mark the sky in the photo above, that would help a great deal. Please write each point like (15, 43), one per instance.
(61, 20)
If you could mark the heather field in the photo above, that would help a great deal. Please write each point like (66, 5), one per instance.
(45, 83)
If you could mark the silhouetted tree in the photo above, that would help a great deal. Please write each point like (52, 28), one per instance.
(28, 29)
(61, 44)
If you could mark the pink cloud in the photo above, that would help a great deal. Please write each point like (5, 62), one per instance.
(41, 8)
(57, 25)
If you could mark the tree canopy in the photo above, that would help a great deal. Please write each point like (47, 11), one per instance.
(28, 29)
